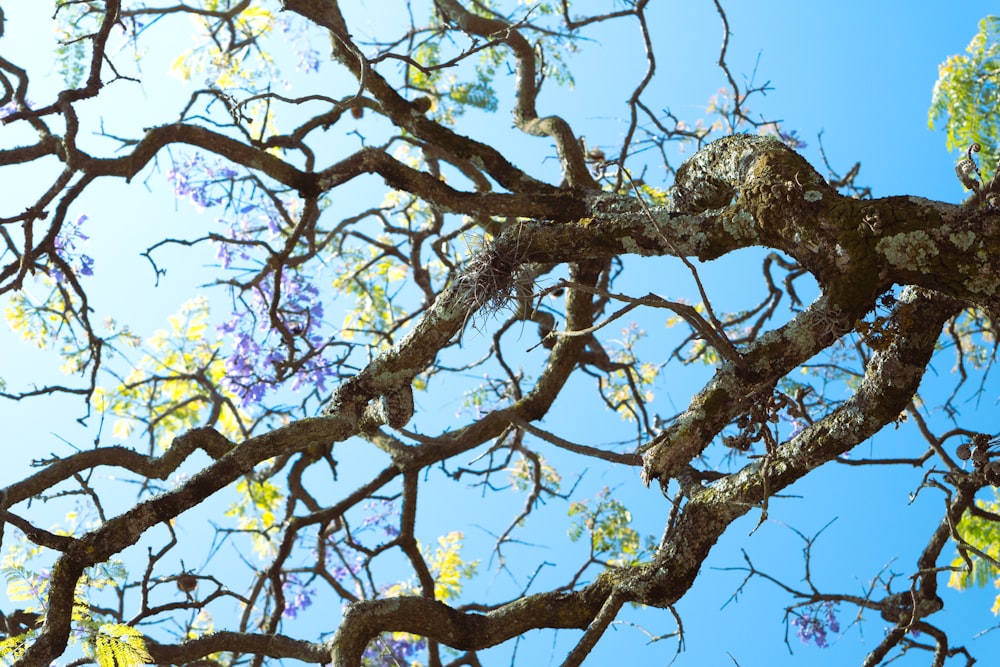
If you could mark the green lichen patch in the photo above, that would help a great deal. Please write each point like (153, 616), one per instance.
(914, 250)
(962, 240)
(740, 226)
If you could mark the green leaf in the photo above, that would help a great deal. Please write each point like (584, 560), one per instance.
(12, 648)
(966, 94)
(478, 94)
(118, 645)
(984, 535)
(25, 586)
(608, 522)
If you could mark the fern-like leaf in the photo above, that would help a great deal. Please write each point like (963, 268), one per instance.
(118, 645)
(12, 648)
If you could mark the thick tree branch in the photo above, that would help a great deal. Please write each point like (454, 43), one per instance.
(327, 13)
(525, 114)
(890, 380)
(406, 266)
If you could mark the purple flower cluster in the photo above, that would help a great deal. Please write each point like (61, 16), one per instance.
(798, 424)
(814, 622)
(309, 59)
(791, 140)
(381, 514)
(297, 596)
(260, 359)
(343, 572)
(66, 245)
(262, 355)
(11, 107)
(200, 182)
(239, 230)
(345, 562)
(390, 650)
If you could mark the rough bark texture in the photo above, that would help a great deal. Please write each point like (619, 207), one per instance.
(738, 192)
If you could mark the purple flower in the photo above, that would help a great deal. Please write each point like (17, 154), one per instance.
(381, 514)
(12, 107)
(66, 246)
(341, 572)
(791, 140)
(200, 182)
(814, 622)
(798, 424)
(309, 59)
(389, 650)
(260, 356)
(831, 619)
(297, 596)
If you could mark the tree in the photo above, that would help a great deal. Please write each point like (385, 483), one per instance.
(462, 273)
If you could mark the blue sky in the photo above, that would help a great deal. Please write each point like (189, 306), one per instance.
(860, 72)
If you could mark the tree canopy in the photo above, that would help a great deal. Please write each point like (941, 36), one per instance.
(406, 290)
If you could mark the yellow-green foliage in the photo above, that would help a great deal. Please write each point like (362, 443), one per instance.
(73, 21)
(255, 512)
(12, 648)
(975, 333)
(621, 386)
(654, 196)
(52, 321)
(965, 95)
(26, 586)
(39, 321)
(170, 388)
(608, 523)
(109, 644)
(453, 93)
(522, 474)
(373, 280)
(233, 56)
(117, 645)
(983, 534)
(232, 67)
(447, 567)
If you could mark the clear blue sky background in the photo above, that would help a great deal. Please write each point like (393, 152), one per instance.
(861, 72)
